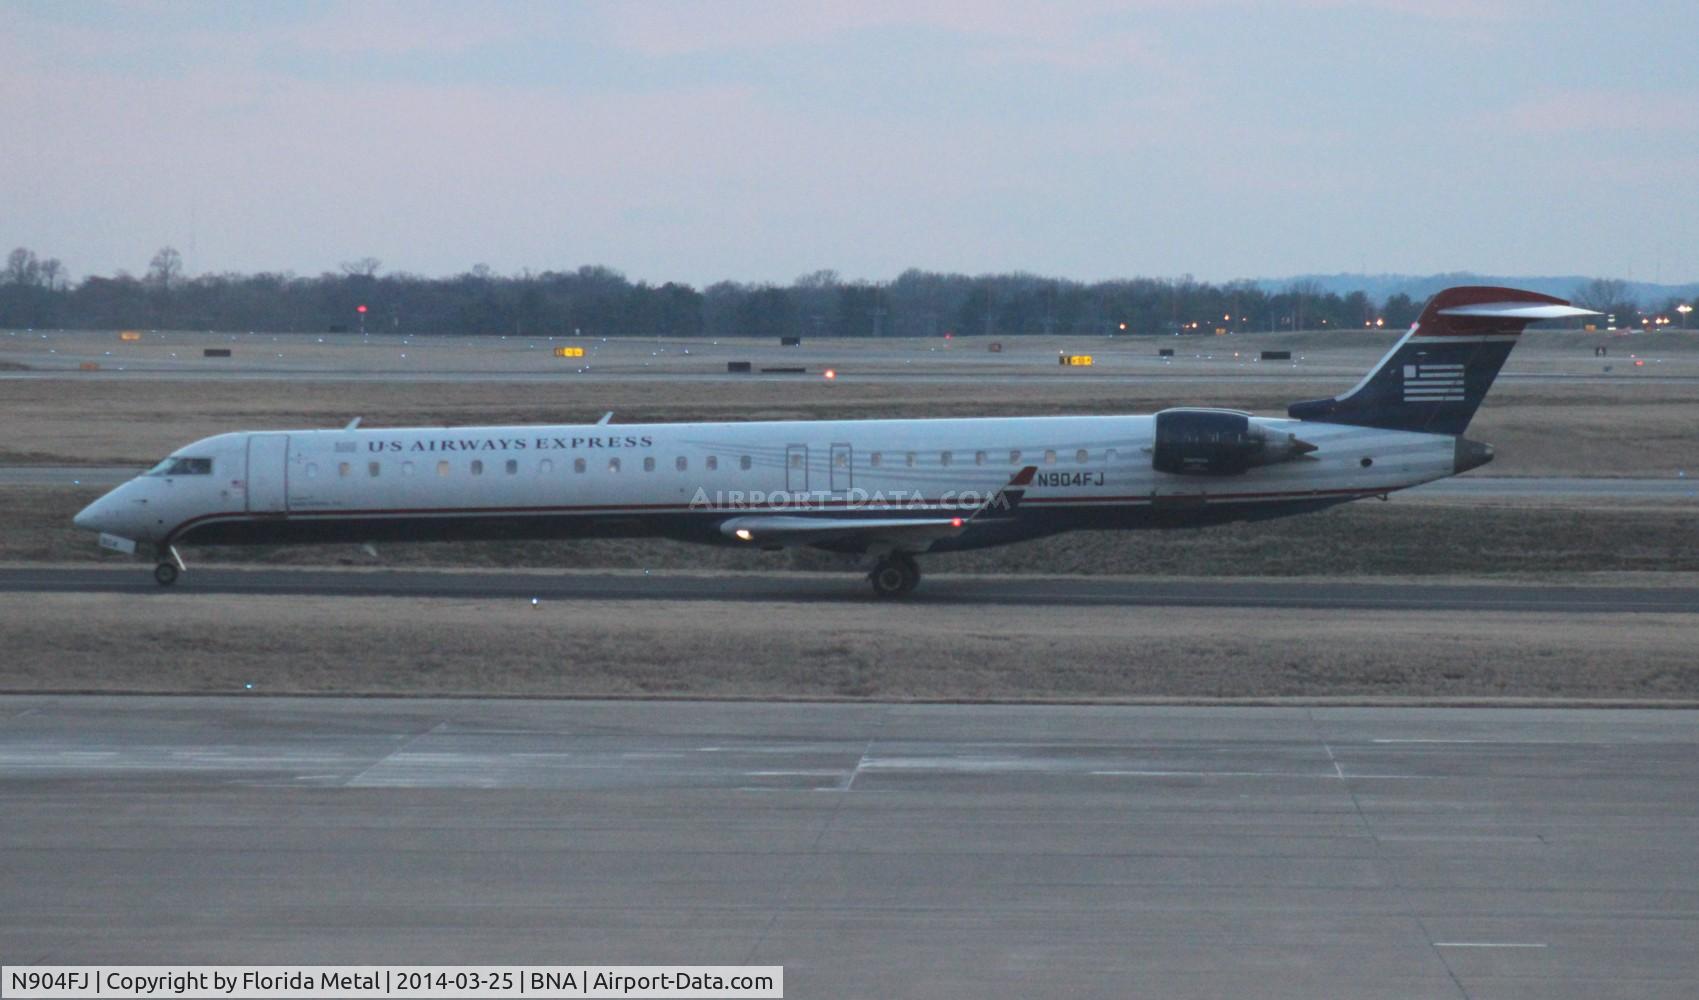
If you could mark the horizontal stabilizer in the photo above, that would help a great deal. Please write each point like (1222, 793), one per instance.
(1518, 310)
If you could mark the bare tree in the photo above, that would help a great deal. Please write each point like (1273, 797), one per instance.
(363, 267)
(51, 272)
(1301, 291)
(826, 278)
(22, 267)
(1610, 296)
(1601, 293)
(165, 270)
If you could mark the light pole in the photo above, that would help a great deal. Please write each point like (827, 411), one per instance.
(361, 309)
(1684, 309)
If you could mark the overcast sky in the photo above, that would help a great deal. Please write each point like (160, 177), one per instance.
(757, 142)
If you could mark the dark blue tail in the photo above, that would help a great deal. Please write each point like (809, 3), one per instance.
(1434, 379)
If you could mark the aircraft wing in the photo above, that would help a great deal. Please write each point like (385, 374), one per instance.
(800, 529)
(873, 532)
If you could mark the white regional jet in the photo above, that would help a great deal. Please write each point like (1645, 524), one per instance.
(888, 490)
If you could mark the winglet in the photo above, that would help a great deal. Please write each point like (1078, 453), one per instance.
(1005, 500)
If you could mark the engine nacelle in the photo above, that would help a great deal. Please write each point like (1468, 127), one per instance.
(1198, 442)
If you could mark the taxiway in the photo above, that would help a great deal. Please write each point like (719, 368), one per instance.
(871, 849)
(941, 591)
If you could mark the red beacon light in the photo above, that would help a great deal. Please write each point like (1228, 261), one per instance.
(360, 309)
(955, 522)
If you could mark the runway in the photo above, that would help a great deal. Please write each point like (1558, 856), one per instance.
(942, 591)
(871, 849)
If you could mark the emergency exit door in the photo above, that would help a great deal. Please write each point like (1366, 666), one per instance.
(796, 468)
(843, 468)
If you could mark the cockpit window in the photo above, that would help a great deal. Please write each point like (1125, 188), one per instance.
(177, 465)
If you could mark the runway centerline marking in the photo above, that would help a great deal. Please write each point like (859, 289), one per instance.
(1490, 944)
(1338, 775)
(827, 773)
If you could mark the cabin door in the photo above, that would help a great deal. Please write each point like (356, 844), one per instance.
(796, 468)
(268, 473)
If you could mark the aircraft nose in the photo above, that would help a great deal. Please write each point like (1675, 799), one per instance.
(96, 516)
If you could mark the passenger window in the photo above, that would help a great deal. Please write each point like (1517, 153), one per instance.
(713, 462)
(648, 463)
(1014, 456)
(578, 465)
(944, 458)
(477, 467)
(407, 468)
(681, 463)
(875, 459)
(908, 460)
(1049, 456)
(796, 460)
(545, 467)
(1081, 456)
(744, 463)
(372, 469)
(442, 467)
(840, 459)
(613, 465)
(513, 466)
(979, 458)
(342, 469)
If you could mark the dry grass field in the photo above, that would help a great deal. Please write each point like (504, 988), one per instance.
(211, 643)
(149, 397)
(1631, 428)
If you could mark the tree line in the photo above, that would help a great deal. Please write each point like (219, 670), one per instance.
(594, 301)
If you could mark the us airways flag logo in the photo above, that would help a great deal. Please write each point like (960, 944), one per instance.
(1433, 383)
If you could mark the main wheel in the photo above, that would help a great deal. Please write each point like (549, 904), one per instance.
(894, 575)
(165, 574)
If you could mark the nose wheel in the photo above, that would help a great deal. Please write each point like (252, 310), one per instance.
(895, 575)
(169, 566)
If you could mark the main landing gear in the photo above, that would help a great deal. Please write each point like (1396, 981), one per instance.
(894, 575)
(170, 564)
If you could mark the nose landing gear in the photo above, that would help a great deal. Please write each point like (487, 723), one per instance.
(894, 575)
(170, 564)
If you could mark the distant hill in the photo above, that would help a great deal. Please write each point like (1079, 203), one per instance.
(1418, 287)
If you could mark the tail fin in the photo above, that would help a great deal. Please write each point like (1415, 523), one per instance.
(1434, 379)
